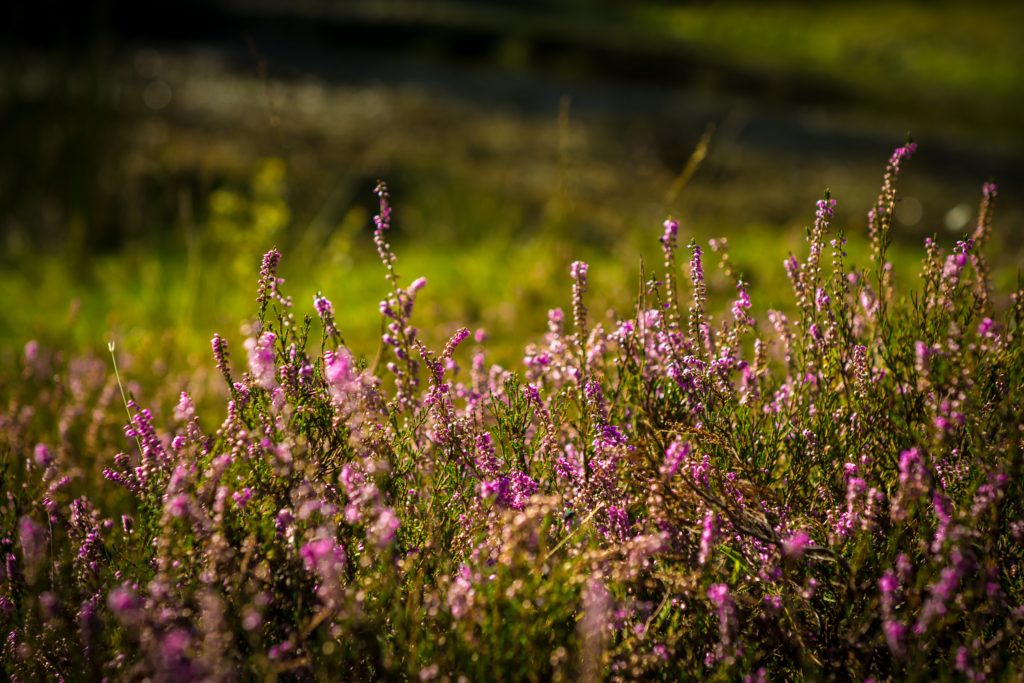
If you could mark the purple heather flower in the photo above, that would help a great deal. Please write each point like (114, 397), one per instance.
(888, 584)
(242, 497)
(707, 536)
(910, 462)
(676, 453)
(555, 319)
(941, 592)
(741, 306)
(283, 521)
(31, 351)
(618, 521)
(759, 676)
(33, 540)
(796, 545)
(986, 328)
(904, 152)
(792, 268)
(178, 506)
(668, 239)
(826, 208)
(43, 456)
(718, 594)
(340, 373)
(460, 336)
(721, 598)
(895, 636)
(510, 491)
(461, 593)
(268, 277)
(338, 367)
(185, 410)
(697, 267)
(122, 601)
(383, 530)
(323, 556)
(220, 355)
(324, 307)
(280, 650)
(262, 362)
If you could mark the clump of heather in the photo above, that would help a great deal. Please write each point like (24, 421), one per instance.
(829, 494)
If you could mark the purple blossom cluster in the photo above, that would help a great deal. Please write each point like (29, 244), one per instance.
(830, 492)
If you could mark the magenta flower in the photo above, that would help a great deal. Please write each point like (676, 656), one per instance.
(796, 545)
(43, 456)
(383, 529)
(461, 593)
(262, 360)
(325, 558)
(123, 600)
(33, 540)
(178, 506)
(707, 536)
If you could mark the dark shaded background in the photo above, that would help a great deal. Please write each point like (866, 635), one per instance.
(122, 121)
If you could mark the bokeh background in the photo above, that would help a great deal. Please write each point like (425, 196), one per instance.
(151, 152)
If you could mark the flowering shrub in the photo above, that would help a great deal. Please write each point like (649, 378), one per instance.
(831, 494)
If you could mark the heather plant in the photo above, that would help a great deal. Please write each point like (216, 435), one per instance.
(832, 493)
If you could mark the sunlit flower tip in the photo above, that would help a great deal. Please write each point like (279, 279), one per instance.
(323, 305)
(417, 284)
(268, 276)
(904, 152)
(460, 336)
(578, 270)
(826, 208)
(671, 232)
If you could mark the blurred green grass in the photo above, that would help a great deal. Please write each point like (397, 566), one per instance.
(491, 204)
(164, 304)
